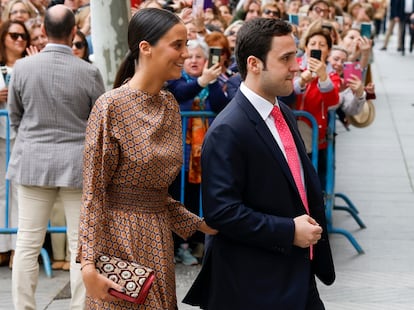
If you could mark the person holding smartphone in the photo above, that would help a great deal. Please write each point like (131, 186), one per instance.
(198, 89)
(359, 49)
(317, 87)
(352, 94)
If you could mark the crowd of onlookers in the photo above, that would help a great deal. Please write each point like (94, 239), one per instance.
(334, 49)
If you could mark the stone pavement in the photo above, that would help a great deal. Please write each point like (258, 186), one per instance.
(375, 169)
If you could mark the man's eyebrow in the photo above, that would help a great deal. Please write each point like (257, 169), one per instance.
(288, 54)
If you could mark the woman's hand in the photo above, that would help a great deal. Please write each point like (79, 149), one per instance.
(32, 50)
(97, 285)
(370, 88)
(198, 20)
(305, 77)
(364, 44)
(353, 51)
(3, 94)
(207, 229)
(355, 84)
(185, 15)
(209, 74)
(319, 67)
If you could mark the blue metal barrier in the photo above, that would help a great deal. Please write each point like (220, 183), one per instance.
(5, 113)
(185, 115)
(330, 189)
(13, 230)
(314, 135)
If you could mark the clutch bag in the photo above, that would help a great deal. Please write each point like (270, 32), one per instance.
(136, 279)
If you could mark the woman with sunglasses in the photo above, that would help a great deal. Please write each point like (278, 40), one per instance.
(270, 10)
(14, 39)
(80, 46)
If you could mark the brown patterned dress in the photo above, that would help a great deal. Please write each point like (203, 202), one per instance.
(133, 151)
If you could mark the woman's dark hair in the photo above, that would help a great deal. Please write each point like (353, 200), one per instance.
(85, 43)
(255, 39)
(4, 30)
(59, 27)
(150, 25)
(323, 31)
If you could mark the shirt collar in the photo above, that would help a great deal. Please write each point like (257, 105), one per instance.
(263, 106)
(59, 45)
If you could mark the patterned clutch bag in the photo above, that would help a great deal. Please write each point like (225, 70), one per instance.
(136, 279)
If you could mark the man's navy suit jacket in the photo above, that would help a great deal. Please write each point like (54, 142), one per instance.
(250, 196)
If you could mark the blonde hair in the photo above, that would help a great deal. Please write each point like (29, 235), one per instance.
(341, 49)
(29, 7)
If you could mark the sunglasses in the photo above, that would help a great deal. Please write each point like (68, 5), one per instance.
(78, 45)
(231, 33)
(327, 27)
(270, 12)
(15, 35)
(320, 10)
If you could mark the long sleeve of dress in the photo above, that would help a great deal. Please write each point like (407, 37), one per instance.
(100, 161)
(183, 222)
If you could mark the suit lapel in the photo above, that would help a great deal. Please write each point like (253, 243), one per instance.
(266, 136)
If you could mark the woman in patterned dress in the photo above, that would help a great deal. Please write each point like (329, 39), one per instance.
(133, 151)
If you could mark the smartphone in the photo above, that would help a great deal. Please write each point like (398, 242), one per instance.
(352, 68)
(316, 54)
(294, 19)
(340, 20)
(366, 30)
(214, 56)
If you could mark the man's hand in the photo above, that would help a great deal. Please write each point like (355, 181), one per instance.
(307, 231)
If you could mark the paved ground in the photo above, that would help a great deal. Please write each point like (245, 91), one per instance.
(375, 169)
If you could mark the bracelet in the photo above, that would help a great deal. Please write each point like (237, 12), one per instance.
(87, 263)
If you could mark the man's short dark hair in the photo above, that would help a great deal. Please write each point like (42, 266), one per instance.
(255, 39)
(59, 27)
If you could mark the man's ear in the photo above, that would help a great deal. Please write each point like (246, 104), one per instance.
(254, 65)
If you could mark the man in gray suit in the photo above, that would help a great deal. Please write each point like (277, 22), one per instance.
(50, 97)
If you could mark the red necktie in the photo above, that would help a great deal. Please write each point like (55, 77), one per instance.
(292, 156)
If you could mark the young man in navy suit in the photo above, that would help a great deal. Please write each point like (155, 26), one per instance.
(271, 241)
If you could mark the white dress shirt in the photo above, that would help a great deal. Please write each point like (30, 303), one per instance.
(264, 108)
